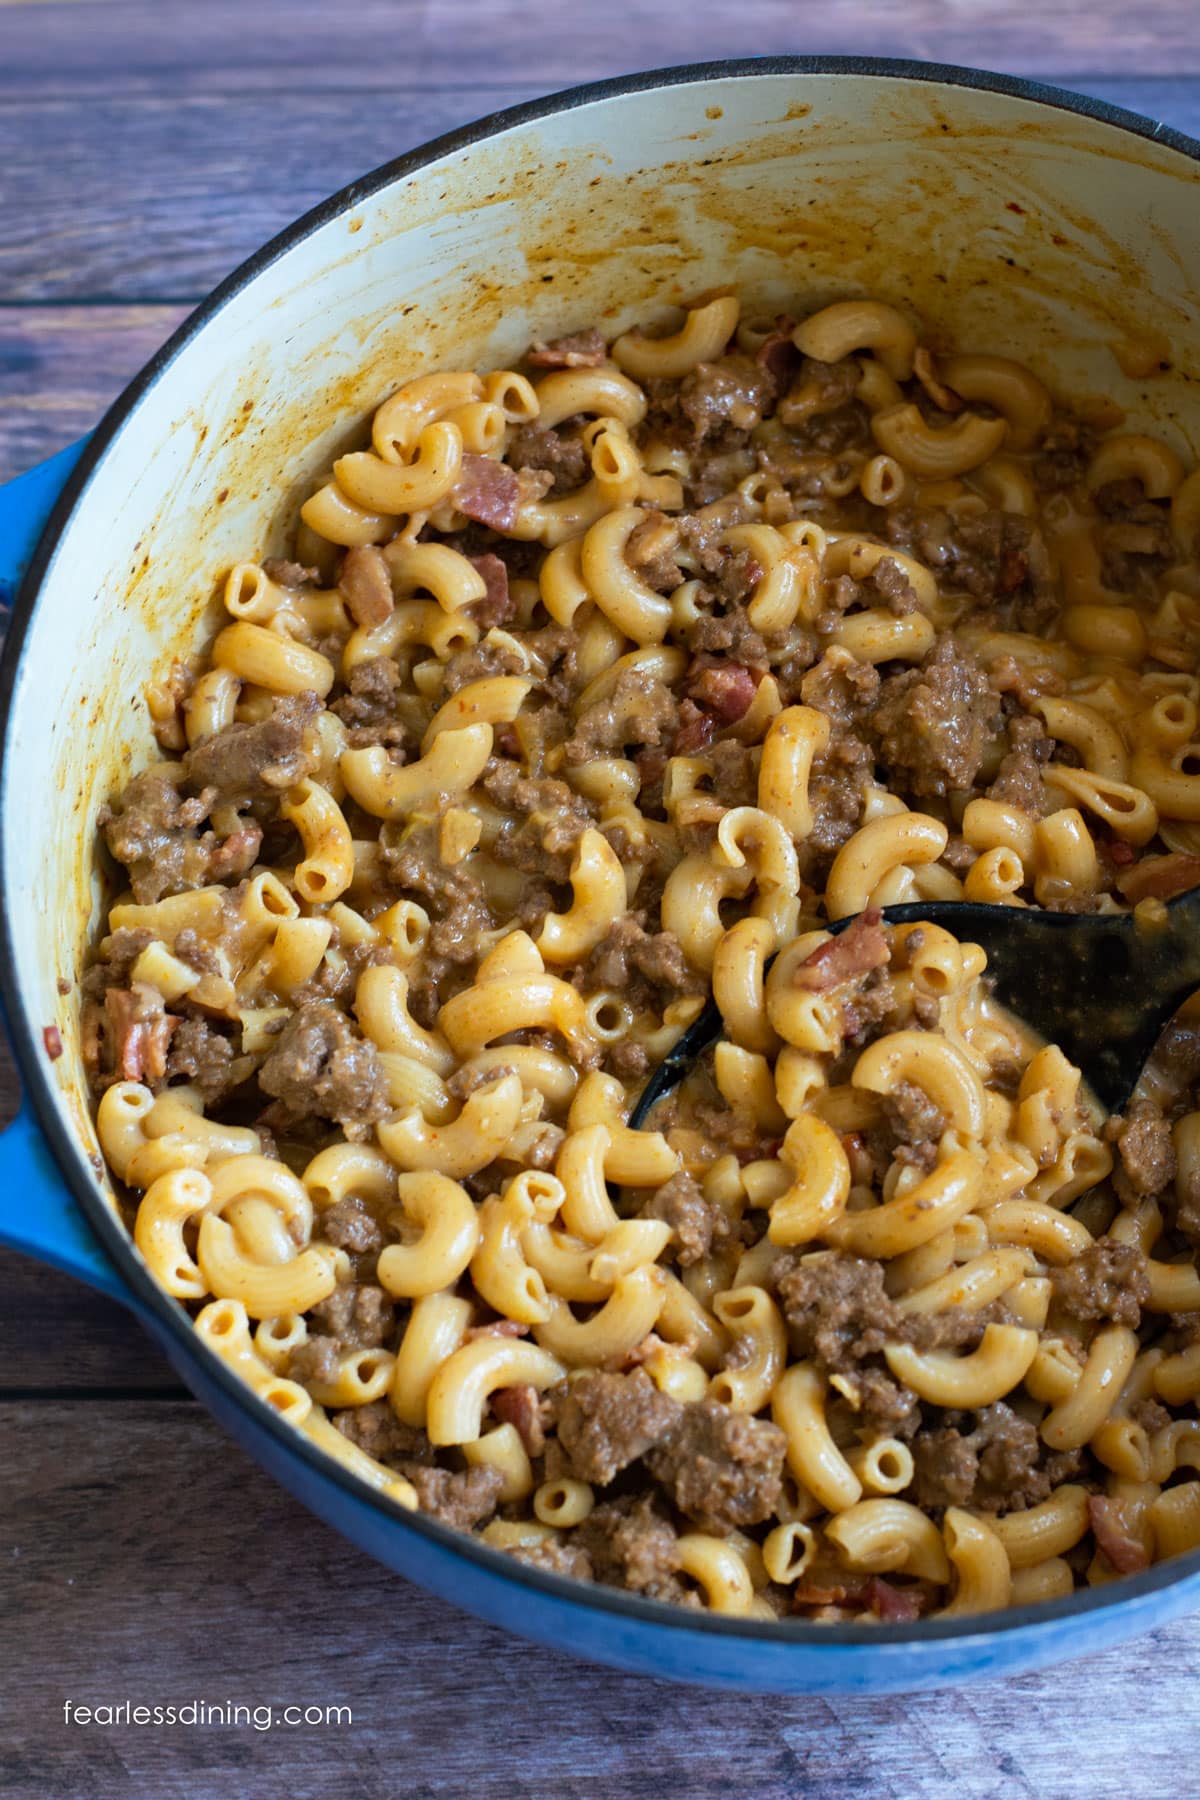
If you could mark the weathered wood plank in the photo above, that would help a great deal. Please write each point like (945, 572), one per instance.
(124, 46)
(146, 1560)
(61, 366)
(186, 187)
(156, 199)
(55, 1334)
(10, 1087)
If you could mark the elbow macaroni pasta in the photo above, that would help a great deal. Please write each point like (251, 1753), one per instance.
(614, 682)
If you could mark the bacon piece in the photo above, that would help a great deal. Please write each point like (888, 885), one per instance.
(497, 606)
(235, 854)
(522, 1407)
(893, 1603)
(366, 585)
(752, 572)
(854, 1591)
(779, 356)
(139, 1032)
(860, 948)
(1159, 877)
(1014, 567)
(943, 397)
(93, 1035)
(724, 689)
(488, 492)
(1125, 1552)
(579, 350)
(157, 1038)
(869, 1593)
(817, 1596)
(125, 1032)
(290, 574)
(760, 1150)
(52, 1040)
(695, 729)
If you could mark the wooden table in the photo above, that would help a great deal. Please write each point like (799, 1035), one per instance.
(145, 147)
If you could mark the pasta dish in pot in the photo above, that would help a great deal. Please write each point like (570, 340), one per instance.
(592, 688)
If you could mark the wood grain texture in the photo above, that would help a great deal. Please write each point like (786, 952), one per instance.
(135, 46)
(187, 187)
(56, 1334)
(61, 366)
(155, 199)
(155, 1564)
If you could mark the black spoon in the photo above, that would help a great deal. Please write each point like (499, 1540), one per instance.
(1100, 985)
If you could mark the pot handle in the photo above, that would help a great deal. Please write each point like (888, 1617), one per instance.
(25, 505)
(39, 1216)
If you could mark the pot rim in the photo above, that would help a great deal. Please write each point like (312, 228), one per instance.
(802, 1634)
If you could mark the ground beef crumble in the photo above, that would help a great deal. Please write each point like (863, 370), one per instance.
(322, 1064)
(370, 706)
(932, 725)
(260, 760)
(699, 1225)
(839, 1312)
(1143, 1140)
(1106, 1281)
(999, 1465)
(722, 1468)
(648, 969)
(605, 1422)
(358, 1314)
(631, 1543)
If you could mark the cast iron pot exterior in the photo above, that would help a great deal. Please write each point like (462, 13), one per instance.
(1011, 217)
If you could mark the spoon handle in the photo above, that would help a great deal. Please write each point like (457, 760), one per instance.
(1101, 986)
(704, 1030)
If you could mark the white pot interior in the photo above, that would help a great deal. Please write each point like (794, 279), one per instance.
(1006, 224)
